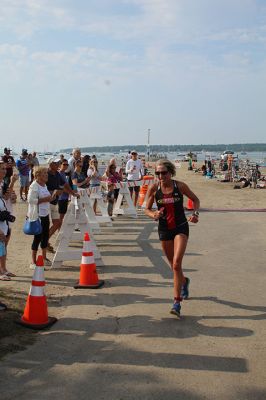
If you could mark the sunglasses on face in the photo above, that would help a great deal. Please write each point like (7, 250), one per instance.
(161, 173)
(65, 165)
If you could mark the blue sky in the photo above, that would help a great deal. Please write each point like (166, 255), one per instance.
(103, 72)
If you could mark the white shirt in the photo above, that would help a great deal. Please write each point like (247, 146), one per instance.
(134, 170)
(44, 208)
(71, 167)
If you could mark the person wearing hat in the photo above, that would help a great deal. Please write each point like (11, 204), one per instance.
(24, 171)
(134, 171)
(10, 164)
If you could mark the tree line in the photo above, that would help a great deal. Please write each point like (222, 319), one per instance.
(160, 148)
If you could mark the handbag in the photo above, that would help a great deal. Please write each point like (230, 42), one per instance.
(32, 227)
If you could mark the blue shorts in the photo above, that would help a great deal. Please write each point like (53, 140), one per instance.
(24, 180)
(2, 249)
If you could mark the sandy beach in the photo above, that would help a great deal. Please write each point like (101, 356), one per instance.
(124, 334)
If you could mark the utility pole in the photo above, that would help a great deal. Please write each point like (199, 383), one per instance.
(148, 146)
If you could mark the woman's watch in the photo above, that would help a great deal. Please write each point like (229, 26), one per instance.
(195, 214)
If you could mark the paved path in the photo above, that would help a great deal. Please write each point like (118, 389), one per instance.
(120, 342)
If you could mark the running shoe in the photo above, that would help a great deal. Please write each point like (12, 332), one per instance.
(176, 310)
(185, 289)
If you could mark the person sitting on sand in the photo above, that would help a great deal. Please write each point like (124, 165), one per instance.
(204, 170)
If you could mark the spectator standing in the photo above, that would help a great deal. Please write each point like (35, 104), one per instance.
(55, 185)
(64, 196)
(95, 178)
(39, 207)
(35, 160)
(5, 230)
(24, 170)
(31, 165)
(80, 180)
(134, 171)
(85, 164)
(10, 164)
(112, 178)
(76, 155)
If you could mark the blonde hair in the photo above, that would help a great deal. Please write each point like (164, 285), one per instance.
(37, 171)
(168, 165)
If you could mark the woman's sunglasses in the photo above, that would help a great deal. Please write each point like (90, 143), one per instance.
(161, 173)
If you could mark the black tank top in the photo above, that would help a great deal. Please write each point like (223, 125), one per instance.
(174, 214)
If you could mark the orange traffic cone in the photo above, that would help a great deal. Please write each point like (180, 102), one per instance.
(88, 278)
(190, 204)
(142, 194)
(143, 190)
(36, 313)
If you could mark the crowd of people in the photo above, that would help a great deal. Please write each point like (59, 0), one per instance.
(47, 190)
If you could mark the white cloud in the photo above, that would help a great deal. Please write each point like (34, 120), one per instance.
(11, 50)
(26, 17)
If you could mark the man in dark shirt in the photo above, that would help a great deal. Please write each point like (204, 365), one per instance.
(56, 184)
(10, 164)
(24, 171)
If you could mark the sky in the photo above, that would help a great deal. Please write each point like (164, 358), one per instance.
(104, 72)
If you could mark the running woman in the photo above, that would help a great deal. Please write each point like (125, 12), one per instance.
(173, 226)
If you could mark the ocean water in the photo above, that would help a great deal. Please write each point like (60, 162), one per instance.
(258, 157)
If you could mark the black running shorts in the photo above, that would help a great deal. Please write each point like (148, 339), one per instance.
(62, 206)
(171, 234)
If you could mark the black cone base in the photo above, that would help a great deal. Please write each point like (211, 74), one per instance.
(99, 284)
(51, 321)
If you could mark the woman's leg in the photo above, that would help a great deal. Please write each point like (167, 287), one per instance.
(95, 206)
(34, 256)
(45, 235)
(110, 197)
(34, 247)
(180, 244)
(174, 251)
(2, 265)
